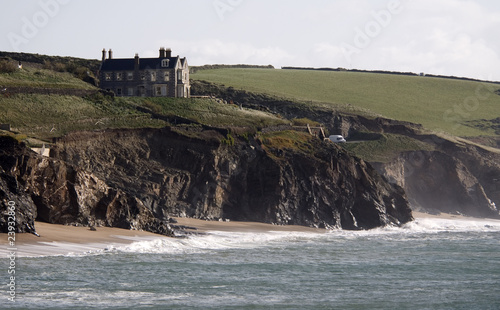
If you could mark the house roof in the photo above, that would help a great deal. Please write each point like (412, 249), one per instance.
(128, 64)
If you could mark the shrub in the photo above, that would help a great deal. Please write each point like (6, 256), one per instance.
(304, 122)
(156, 108)
(229, 140)
(7, 66)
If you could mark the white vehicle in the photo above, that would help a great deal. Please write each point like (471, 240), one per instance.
(337, 139)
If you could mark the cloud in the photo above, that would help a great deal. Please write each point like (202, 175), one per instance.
(449, 37)
(219, 52)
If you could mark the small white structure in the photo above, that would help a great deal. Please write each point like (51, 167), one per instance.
(44, 151)
(337, 139)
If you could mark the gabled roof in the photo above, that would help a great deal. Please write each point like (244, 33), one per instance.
(128, 64)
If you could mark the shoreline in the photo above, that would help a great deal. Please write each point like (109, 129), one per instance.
(64, 240)
(58, 239)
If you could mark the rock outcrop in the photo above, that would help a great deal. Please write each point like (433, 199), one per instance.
(56, 192)
(437, 182)
(139, 178)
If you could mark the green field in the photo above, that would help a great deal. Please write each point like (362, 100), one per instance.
(209, 112)
(438, 104)
(31, 76)
(46, 116)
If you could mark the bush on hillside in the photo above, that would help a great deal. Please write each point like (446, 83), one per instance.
(304, 122)
(79, 71)
(7, 66)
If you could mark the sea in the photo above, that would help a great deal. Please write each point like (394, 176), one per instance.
(429, 263)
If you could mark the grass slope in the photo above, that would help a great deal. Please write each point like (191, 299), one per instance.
(37, 77)
(438, 104)
(209, 112)
(42, 116)
(386, 148)
(47, 116)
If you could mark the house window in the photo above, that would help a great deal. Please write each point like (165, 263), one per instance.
(142, 91)
(160, 90)
(179, 75)
(165, 63)
(130, 91)
(119, 76)
(130, 76)
(118, 91)
(166, 76)
(108, 76)
(153, 76)
(143, 76)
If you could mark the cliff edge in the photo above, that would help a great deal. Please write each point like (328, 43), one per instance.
(138, 178)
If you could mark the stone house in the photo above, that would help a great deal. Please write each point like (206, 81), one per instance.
(165, 76)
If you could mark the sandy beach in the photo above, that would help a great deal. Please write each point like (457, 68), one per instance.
(61, 240)
(206, 226)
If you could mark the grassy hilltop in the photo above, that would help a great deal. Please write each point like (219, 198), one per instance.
(39, 103)
(457, 107)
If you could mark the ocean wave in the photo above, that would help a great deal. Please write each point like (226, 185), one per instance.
(453, 225)
(219, 240)
(216, 240)
(225, 240)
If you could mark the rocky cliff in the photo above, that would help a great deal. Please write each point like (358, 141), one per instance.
(54, 191)
(139, 178)
(458, 176)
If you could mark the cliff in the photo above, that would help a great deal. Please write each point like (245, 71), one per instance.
(447, 174)
(451, 174)
(54, 191)
(455, 178)
(139, 178)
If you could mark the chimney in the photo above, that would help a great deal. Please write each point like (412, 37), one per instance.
(110, 52)
(169, 53)
(162, 52)
(136, 64)
(103, 54)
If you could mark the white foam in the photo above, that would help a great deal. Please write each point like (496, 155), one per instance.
(453, 225)
(215, 240)
(57, 248)
(223, 240)
(219, 240)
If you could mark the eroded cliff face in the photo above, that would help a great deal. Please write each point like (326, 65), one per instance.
(56, 192)
(139, 178)
(459, 176)
(201, 177)
(435, 181)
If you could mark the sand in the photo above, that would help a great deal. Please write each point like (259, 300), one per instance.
(207, 226)
(447, 216)
(62, 240)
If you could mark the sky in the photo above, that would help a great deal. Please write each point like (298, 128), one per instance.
(447, 37)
